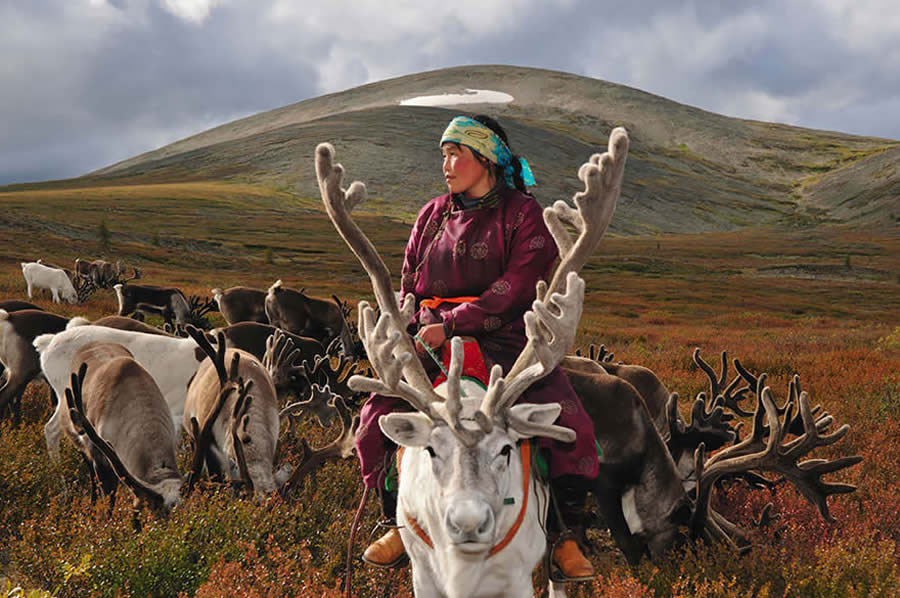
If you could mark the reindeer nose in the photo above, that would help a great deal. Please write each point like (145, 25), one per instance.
(470, 521)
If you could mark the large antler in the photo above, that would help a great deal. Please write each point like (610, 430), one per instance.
(118, 278)
(731, 395)
(203, 437)
(199, 307)
(708, 426)
(594, 207)
(340, 448)
(280, 358)
(84, 288)
(228, 382)
(775, 455)
(84, 427)
(388, 346)
(319, 404)
(795, 423)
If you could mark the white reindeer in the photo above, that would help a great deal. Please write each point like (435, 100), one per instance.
(39, 276)
(460, 472)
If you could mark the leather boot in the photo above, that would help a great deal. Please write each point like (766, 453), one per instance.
(387, 551)
(566, 524)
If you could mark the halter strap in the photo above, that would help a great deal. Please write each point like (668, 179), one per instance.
(525, 452)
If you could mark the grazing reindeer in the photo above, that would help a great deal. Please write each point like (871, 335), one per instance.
(241, 304)
(297, 312)
(460, 465)
(17, 354)
(171, 361)
(257, 339)
(103, 274)
(166, 301)
(119, 420)
(41, 276)
(245, 438)
(14, 305)
(709, 423)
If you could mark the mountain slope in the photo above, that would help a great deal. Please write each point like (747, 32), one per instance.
(689, 170)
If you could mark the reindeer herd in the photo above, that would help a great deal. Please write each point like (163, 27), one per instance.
(125, 391)
(134, 387)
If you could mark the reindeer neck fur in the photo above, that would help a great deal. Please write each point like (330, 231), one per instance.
(428, 489)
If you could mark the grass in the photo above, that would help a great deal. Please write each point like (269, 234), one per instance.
(650, 299)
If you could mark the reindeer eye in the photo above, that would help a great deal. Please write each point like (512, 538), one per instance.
(506, 450)
(431, 452)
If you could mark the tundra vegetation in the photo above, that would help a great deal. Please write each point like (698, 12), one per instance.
(782, 300)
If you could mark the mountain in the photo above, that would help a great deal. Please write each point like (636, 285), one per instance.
(688, 170)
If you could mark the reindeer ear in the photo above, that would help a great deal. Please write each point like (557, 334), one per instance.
(542, 415)
(409, 430)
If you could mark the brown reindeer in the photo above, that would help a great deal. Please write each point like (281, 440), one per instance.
(245, 438)
(17, 353)
(241, 304)
(302, 314)
(119, 420)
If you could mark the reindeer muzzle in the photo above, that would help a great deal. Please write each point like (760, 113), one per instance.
(470, 525)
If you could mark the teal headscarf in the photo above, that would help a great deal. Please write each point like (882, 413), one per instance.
(469, 132)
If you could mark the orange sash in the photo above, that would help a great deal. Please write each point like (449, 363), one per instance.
(435, 301)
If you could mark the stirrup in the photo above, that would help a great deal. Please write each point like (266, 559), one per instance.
(384, 524)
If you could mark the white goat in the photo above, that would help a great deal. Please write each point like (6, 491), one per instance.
(171, 361)
(39, 276)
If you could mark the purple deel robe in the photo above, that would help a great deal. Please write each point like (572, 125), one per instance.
(496, 254)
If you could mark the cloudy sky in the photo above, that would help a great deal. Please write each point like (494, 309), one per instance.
(85, 83)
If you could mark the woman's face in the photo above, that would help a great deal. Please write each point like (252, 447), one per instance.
(464, 172)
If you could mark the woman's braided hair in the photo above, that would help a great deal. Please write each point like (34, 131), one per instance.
(494, 126)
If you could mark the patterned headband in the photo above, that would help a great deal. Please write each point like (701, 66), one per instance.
(468, 131)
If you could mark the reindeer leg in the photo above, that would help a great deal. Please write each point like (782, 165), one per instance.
(136, 518)
(52, 432)
(10, 396)
(112, 503)
(92, 475)
(610, 502)
(556, 589)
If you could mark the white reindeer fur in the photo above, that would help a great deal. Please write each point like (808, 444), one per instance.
(119, 296)
(170, 361)
(39, 276)
(445, 571)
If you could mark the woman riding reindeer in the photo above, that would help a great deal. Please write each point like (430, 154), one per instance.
(472, 262)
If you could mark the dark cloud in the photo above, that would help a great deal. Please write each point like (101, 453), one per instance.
(88, 83)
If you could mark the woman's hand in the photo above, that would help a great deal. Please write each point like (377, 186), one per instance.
(432, 335)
